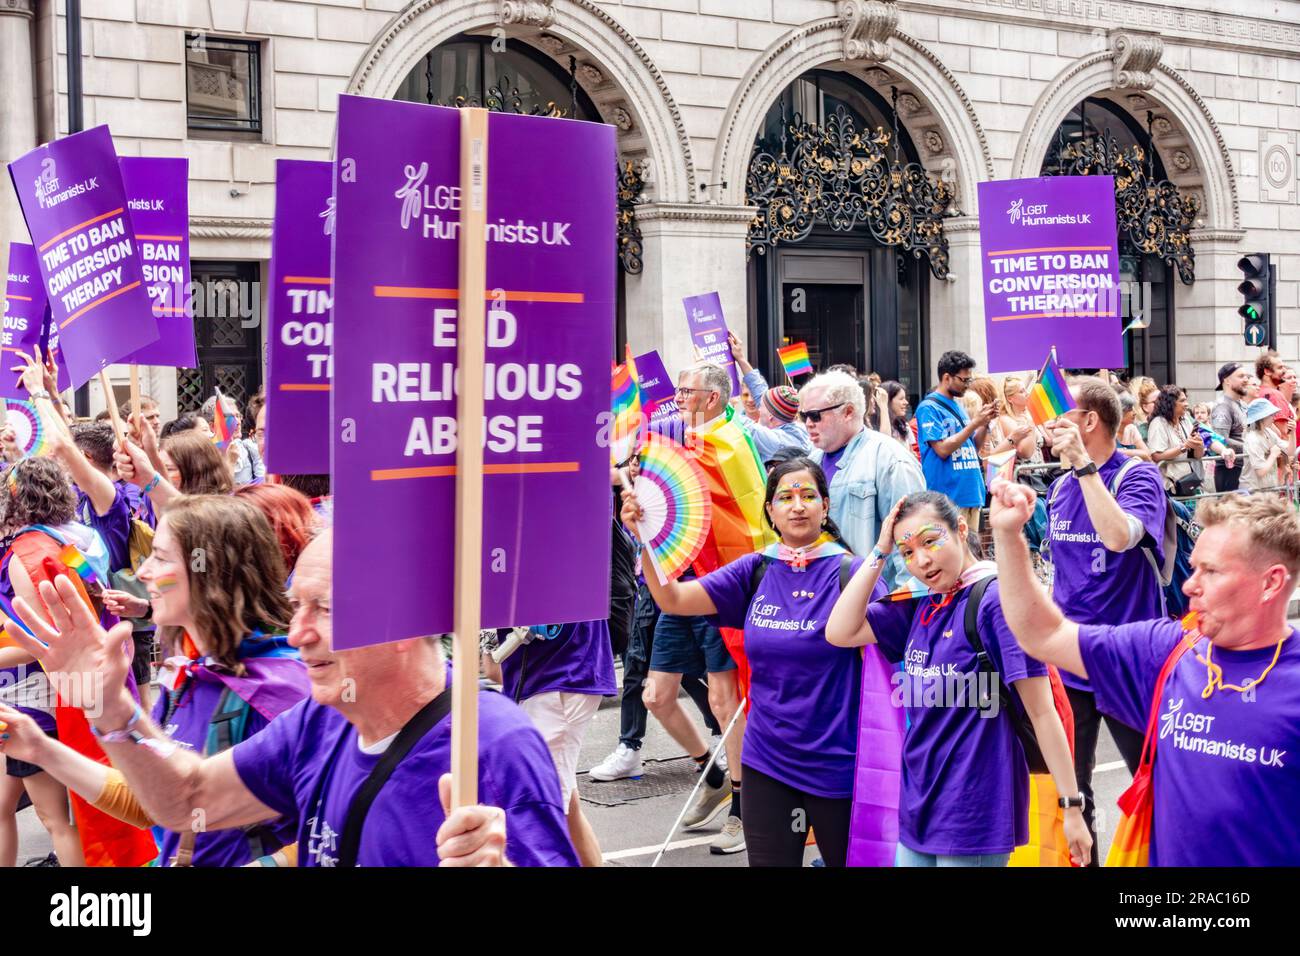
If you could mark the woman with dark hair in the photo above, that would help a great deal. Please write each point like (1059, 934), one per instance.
(965, 791)
(1172, 434)
(804, 694)
(232, 670)
(35, 492)
(900, 422)
(290, 515)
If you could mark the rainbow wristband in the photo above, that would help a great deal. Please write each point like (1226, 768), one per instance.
(157, 479)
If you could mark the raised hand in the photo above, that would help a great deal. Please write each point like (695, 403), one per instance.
(133, 464)
(631, 514)
(1011, 505)
(885, 543)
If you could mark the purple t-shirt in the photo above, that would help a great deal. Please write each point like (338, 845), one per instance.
(188, 725)
(114, 526)
(1091, 584)
(804, 692)
(1227, 772)
(965, 780)
(307, 765)
(831, 463)
(578, 660)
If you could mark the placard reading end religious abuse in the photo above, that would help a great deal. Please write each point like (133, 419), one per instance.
(1050, 258)
(75, 205)
(550, 298)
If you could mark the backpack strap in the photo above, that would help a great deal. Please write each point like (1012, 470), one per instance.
(756, 576)
(1163, 574)
(228, 723)
(972, 628)
(846, 570)
(424, 720)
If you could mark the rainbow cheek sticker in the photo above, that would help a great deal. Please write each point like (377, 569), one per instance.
(166, 584)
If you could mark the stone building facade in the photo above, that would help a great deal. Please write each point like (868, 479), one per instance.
(1208, 91)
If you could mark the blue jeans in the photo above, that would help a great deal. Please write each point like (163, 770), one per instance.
(909, 857)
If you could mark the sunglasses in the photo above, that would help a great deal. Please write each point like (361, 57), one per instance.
(815, 415)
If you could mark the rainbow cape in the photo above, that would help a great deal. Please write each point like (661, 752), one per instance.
(627, 427)
(795, 359)
(1050, 397)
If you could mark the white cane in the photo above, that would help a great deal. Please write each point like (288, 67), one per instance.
(707, 767)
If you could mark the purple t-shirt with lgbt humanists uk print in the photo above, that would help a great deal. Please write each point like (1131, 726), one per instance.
(578, 660)
(308, 765)
(965, 780)
(1092, 585)
(1226, 781)
(804, 693)
(188, 724)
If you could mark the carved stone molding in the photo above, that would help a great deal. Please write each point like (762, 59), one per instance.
(214, 227)
(18, 8)
(538, 13)
(868, 26)
(1136, 55)
(591, 76)
(694, 212)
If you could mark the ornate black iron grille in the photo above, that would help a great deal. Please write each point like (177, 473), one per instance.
(630, 185)
(1154, 217)
(843, 178)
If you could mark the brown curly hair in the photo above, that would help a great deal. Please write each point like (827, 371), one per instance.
(37, 491)
(239, 586)
(203, 468)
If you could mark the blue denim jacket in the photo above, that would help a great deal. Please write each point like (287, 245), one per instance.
(874, 472)
(769, 441)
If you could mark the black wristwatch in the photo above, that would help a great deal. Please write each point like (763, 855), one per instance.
(1066, 803)
(1088, 469)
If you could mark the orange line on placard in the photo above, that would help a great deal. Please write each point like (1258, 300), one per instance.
(304, 387)
(1053, 315)
(98, 302)
(307, 280)
(160, 238)
(80, 225)
(1016, 252)
(416, 292)
(171, 309)
(24, 298)
(446, 471)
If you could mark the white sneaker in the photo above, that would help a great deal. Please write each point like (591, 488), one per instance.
(623, 762)
(731, 839)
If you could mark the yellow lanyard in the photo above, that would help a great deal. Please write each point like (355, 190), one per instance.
(1214, 673)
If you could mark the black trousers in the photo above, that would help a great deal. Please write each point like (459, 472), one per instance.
(1087, 724)
(636, 667)
(777, 818)
(1228, 479)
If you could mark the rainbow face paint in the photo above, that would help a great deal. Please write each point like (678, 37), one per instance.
(940, 539)
(797, 491)
(163, 585)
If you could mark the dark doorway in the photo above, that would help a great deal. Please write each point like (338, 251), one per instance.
(828, 318)
(227, 332)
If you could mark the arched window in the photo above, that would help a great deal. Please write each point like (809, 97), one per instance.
(1154, 221)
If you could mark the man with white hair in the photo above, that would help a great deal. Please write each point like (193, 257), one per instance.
(868, 472)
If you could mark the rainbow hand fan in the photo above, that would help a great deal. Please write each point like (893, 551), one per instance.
(674, 496)
(29, 433)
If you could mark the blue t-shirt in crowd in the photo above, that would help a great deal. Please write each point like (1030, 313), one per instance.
(960, 476)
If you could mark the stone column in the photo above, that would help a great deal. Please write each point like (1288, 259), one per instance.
(688, 249)
(17, 110)
(957, 304)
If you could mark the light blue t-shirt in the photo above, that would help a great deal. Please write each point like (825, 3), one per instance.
(961, 475)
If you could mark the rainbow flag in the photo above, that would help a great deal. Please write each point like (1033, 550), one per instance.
(223, 425)
(1050, 397)
(1047, 845)
(795, 359)
(71, 556)
(1001, 465)
(628, 424)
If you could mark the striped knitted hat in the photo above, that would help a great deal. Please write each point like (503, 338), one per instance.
(782, 403)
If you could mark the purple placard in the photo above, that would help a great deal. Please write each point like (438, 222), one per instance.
(550, 267)
(75, 206)
(157, 195)
(658, 394)
(24, 312)
(1050, 254)
(709, 332)
(299, 307)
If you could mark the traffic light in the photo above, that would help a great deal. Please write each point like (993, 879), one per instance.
(1256, 290)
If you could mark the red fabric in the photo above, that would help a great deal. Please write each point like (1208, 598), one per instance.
(105, 840)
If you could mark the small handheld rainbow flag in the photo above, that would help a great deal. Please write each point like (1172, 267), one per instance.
(795, 359)
(223, 425)
(1001, 465)
(1050, 397)
(71, 556)
(627, 427)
